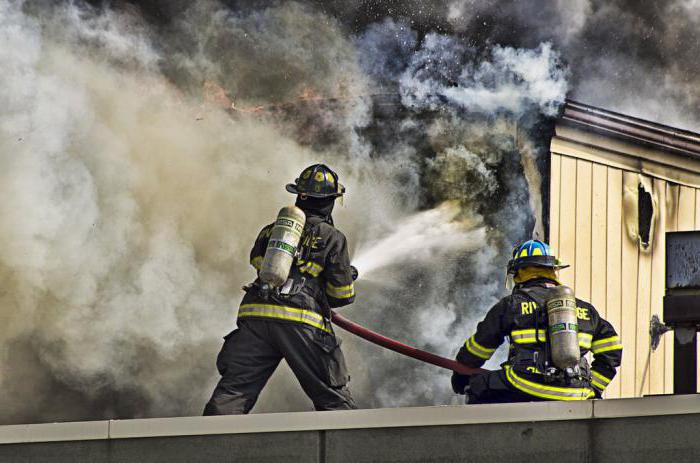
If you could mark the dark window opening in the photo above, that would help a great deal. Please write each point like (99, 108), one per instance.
(645, 214)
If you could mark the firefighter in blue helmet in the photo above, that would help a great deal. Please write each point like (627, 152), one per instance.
(293, 324)
(530, 374)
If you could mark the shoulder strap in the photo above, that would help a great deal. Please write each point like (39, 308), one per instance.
(311, 230)
(536, 293)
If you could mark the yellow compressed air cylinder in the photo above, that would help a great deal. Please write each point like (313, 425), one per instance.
(563, 327)
(282, 246)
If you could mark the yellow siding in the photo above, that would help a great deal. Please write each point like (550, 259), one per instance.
(628, 325)
(658, 283)
(672, 191)
(554, 195)
(587, 229)
(613, 262)
(567, 218)
(599, 237)
(643, 360)
(582, 283)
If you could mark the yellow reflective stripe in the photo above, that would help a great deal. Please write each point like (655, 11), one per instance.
(527, 336)
(340, 292)
(257, 262)
(547, 392)
(584, 340)
(600, 378)
(478, 350)
(284, 313)
(340, 288)
(599, 381)
(312, 268)
(607, 344)
(607, 349)
(598, 342)
(485, 349)
(599, 386)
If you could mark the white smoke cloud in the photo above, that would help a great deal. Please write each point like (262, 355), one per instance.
(511, 80)
(129, 206)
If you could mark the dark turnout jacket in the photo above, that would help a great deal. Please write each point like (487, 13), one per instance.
(521, 317)
(321, 278)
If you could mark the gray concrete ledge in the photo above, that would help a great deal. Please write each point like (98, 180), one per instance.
(650, 429)
(351, 419)
(54, 432)
(647, 406)
(298, 421)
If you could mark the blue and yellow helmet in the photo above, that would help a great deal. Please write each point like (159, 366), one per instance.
(533, 253)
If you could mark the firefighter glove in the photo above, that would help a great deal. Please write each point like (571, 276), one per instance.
(459, 383)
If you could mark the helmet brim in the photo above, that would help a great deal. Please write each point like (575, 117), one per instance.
(292, 188)
(536, 261)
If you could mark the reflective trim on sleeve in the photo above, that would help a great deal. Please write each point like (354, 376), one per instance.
(547, 392)
(584, 340)
(340, 292)
(257, 262)
(312, 268)
(599, 381)
(284, 313)
(478, 350)
(527, 336)
(607, 344)
(597, 385)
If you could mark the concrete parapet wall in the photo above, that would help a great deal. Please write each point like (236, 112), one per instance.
(654, 429)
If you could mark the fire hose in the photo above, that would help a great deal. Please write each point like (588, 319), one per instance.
(401, 348)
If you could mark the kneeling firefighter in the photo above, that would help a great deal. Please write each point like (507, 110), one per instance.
(550, 331)
(303, 271)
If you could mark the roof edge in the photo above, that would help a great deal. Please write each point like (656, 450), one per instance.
(633, 129)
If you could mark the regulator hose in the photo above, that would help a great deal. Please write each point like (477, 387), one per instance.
(402, 348)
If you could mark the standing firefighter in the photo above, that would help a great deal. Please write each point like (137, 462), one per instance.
(550, 331)
(292, 321)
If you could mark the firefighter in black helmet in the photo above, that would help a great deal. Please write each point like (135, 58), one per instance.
(529, 374)
(293, 324)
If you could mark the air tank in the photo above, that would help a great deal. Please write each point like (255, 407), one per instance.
(563, 327)
(282, 246)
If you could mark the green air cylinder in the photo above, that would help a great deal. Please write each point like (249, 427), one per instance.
(282, 246)
(563, 327)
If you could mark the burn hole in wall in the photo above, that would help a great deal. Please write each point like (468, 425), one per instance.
(645, 211)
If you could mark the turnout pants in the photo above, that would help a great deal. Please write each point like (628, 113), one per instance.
(251, 353)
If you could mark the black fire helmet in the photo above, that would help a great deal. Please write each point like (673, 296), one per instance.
(317, 181)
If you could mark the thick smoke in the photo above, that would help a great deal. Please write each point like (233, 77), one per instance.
(635, 57)
(144, 144)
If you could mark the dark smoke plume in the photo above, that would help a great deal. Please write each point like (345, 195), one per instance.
(144, 144)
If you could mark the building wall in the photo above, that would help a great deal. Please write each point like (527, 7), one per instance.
(592, 227)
